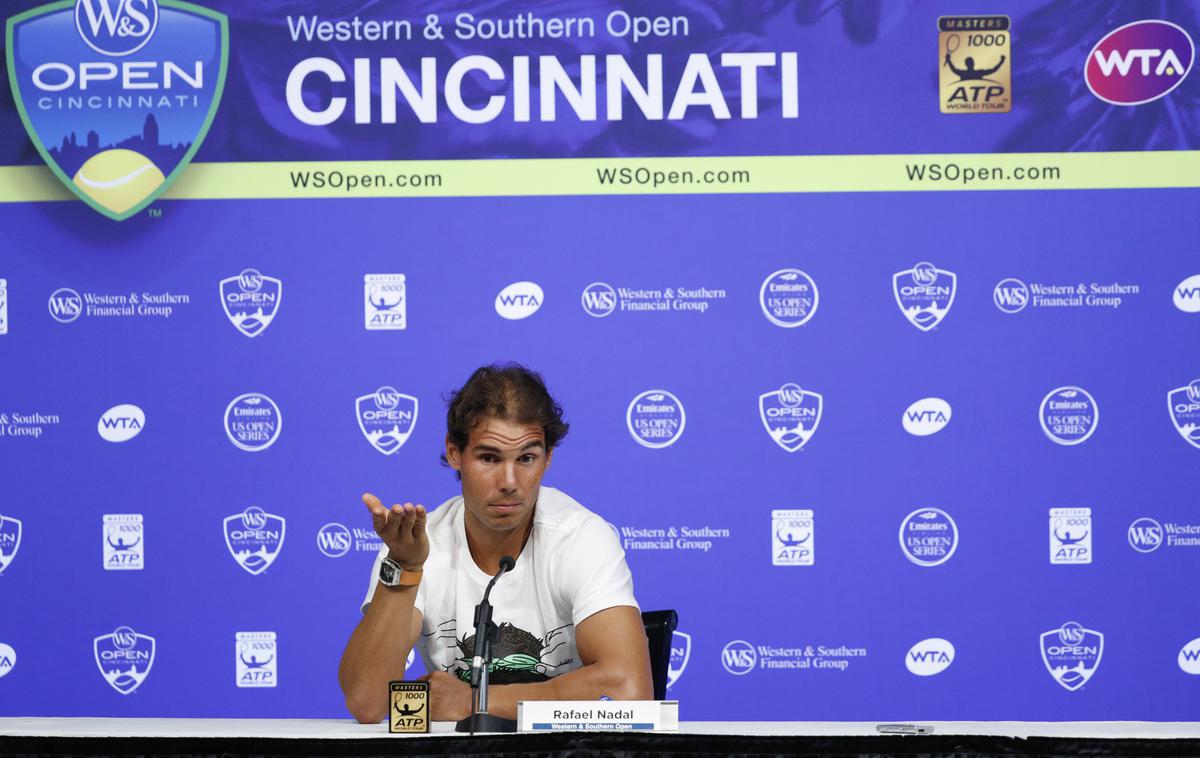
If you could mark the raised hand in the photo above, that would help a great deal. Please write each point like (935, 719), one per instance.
(402, 528)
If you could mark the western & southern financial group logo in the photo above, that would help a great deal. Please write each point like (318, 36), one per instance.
(924, 294)
(739, 657)
(599, 299)
(117, 95)
(65, 305)
(386, 418)
(1072, 654)
(335, 540)
(1145, 535)
(1011, 295)
(124, 658)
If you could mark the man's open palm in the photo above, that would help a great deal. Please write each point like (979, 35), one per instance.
(402, 528)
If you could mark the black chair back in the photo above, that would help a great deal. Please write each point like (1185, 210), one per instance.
(659, 627)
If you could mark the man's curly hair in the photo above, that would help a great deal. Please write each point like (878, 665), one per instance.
(508, 391)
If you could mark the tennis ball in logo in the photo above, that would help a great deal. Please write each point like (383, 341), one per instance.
(118, 179)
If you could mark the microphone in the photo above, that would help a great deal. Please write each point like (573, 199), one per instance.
(483, 622)
(485, 634)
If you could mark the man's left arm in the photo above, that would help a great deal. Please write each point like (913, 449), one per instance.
(616, 663)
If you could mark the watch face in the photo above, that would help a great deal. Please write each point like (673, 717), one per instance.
(387, 573)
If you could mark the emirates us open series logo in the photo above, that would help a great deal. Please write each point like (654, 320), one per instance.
(117, 95)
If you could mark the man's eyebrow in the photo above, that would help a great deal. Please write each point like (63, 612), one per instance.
(484, 448)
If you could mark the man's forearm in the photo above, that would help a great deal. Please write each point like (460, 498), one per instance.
(584, 683)
(377, 651)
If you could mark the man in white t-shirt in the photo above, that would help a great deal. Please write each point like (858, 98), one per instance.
(570, 628)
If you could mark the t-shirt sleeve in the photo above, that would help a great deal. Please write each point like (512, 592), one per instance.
(373, 582)
(595, 575)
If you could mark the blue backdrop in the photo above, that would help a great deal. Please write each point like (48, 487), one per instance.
(865, 631)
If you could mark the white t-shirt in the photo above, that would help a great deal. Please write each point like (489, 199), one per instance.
(571, 567)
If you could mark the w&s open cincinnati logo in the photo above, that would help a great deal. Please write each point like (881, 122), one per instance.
(117, 95)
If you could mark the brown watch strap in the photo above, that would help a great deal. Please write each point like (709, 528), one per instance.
(407, 578)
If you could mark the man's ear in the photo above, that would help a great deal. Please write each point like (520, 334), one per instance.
(453, 455)
(549, 457)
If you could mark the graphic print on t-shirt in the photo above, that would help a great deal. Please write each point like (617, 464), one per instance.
(519, 656)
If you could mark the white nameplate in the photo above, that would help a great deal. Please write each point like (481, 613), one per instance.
(598, 715)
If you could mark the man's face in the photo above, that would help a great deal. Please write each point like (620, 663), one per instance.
(501, 468)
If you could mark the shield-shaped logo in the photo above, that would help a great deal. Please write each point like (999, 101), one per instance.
(681, 651)
(254, 538)
(924, 294)
(124, 658)
(1184, 404)
(1072, 654)
(386, 418)
(10, 540)
(117, 95)
(790, 415)
(251, 301)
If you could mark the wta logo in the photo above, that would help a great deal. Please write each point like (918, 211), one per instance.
(1139, 62)
(117, 95)
(1189, 657)
(1187, 295)
(929, 657)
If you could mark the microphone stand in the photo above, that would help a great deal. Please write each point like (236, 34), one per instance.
(486, 633)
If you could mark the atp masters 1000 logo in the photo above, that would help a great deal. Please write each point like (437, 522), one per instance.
(117, 95)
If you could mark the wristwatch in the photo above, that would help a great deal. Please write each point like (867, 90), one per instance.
(392, 574)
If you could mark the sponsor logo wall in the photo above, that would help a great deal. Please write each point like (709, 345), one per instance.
(732, 365)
